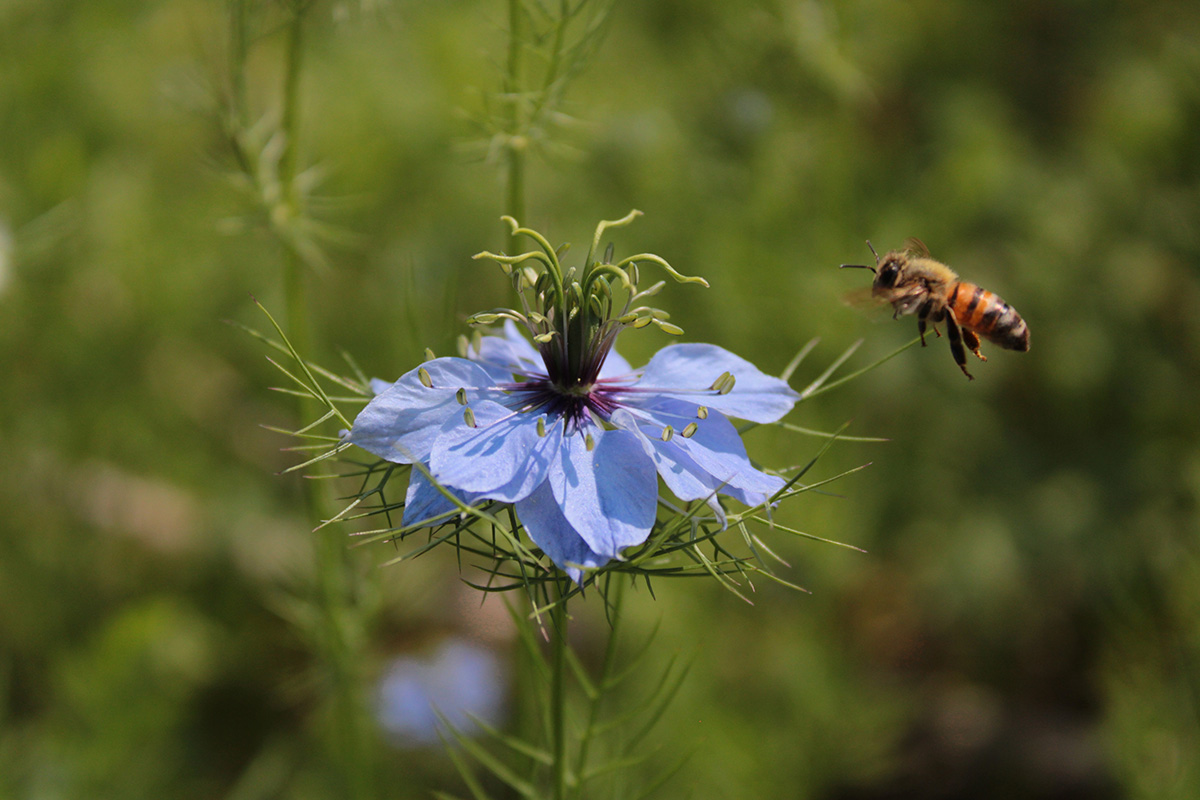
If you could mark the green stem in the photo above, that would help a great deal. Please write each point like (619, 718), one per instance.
(558, 616)
(348, 732)
(237, 53)
(288, 123)
(516, 145)
(515, 205)
(606, 671)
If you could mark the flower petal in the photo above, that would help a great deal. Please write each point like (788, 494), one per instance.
(509, 352)
(543, 519)
(502, 457)
(679, 472)
(683, 371)
(614, 366)
(712, 458)
(609, 494)
(401, 423)
(423, 501)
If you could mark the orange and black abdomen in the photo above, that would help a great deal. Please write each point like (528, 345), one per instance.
(985, 313)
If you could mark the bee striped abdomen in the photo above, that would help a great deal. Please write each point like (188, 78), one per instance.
(988, 315)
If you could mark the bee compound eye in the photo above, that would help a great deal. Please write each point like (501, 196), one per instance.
(888, 273)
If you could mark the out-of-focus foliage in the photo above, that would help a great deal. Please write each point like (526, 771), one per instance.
(1026, 623)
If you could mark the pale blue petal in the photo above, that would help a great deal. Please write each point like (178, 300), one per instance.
(687, 371)
(509, 352)
(502, 457)
(424, 502)
(679, 472)
(609, 494)
(543, 519)
(615, 366)
(402, 423)
(712, 458)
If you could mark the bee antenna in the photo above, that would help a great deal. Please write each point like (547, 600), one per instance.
(873, 251)
(856, 266)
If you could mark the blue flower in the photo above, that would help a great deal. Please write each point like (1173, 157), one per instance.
(575, 444)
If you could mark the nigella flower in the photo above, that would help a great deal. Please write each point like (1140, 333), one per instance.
(567, 432)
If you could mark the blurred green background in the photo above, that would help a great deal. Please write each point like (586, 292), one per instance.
(1027, 620)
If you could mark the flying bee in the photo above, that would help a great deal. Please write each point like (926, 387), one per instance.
(916, 284)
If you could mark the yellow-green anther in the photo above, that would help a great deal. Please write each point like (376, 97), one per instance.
(484, 318)
(668, 433)
(702, 412)
(461, 396)
(463, 345)
(667, 327)
(590, 442)
(658, 313)
(727, 387)
(426, 381)
(469, 417)
(628, 318)
(653, 290)
(634, 273)
(542, 338)
(690, 430)
(642, 322)
(541, 427)
(716, 385)
(429, 356)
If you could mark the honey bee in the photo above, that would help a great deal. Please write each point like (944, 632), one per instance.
(916, 284)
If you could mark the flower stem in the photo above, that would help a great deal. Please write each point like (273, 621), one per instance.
(348, 733)
(515, 149)
(237, 52)
(606, 671)
(558, 616)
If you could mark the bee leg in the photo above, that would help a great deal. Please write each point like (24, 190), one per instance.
(972, 342)
(922, 315)
(956, 345)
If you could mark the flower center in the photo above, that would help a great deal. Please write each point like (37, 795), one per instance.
(576, 403)
(577, 389)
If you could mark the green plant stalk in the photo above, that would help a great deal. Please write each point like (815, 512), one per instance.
(348, 734)
(516, 145)
(606, 671)
(515, 206)
(238, 52)
(558, 692)
(288, 123)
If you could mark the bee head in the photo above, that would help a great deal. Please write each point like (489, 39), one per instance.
(889, 271)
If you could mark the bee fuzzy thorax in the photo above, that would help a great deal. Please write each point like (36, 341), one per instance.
(914, 283)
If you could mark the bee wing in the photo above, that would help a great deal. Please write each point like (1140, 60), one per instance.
(862, 298)
(916, 247)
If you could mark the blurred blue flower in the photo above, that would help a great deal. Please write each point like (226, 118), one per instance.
(575, 453)
(460, 681)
